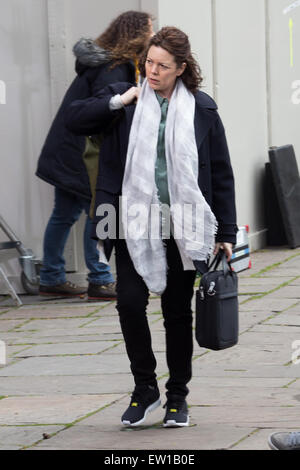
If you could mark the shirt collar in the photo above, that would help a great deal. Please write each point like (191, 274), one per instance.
(160, 99)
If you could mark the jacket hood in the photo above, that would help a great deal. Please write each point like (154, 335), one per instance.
(88, 54)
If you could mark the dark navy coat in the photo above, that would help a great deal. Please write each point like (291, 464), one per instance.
(215, 179)
(60, 162)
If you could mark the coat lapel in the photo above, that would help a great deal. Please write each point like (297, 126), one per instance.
(204, 120)
(205, 116)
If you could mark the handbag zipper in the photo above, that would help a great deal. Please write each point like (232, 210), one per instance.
(201, 291)
(211, 290)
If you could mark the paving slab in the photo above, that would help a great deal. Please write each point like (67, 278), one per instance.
(258, 439)
(146, 438)
(266, 338)
(105, 333)
(49, 312)
(285, 318)
(17, 437)
(61, 349)
(252, 416)
(241, 382)
(79, 384)
(45, 324)
(281, 273)
(251, 354)
(74, 365)
(268, 302)
(289, 372)
(288, 292)
(51, 409)
(232, 397)
(8, 325)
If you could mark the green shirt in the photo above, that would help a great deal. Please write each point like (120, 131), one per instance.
(161, 176)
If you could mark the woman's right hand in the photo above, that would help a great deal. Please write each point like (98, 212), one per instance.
(130, 95)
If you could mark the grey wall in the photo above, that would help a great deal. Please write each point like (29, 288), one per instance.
(24, 120)
(244, 48)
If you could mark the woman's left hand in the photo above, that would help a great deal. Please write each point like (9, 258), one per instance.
(227, 247)
(130, 95)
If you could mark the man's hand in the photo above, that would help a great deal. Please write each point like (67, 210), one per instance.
(227, 247)
(130, 95)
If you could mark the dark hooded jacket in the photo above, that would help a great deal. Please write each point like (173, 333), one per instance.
(61, 163)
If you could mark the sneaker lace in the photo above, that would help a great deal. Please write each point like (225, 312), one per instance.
(173, 404)
(136, 397)
(140, 395)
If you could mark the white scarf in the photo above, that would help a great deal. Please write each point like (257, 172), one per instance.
(148, 253)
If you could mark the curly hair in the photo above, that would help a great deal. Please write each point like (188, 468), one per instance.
(177, 43)
(126, 37)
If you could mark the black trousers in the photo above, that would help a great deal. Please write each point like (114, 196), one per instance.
(132, 300)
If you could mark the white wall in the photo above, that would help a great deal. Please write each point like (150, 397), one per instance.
(242, 100)
(194, 18)
(284, 74)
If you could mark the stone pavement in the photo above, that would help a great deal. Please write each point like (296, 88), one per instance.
(66, 380)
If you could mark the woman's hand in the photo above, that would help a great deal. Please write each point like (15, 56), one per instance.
(130, 95)
(227, 247)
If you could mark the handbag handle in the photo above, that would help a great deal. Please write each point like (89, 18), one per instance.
(220, 257)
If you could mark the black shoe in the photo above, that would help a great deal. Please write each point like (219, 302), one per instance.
(102, 291)
(176, 412)
(144, 399)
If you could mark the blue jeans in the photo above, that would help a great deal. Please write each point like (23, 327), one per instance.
(67, 210)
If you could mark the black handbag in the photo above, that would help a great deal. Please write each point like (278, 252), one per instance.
(217, 323)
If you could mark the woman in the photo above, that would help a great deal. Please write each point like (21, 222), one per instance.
(169, 149)
(67, 161)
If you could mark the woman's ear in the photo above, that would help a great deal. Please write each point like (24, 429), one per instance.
(181, 69)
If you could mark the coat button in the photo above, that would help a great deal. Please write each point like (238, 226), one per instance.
(202, 164)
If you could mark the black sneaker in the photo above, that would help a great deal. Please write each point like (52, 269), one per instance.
(144, 399)
(102, 292)
(176, 413)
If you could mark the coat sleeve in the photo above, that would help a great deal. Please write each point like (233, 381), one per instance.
(223, 191)
(89, 116)
(108, 76)
(93, 115)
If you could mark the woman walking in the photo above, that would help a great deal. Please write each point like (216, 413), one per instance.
(70, 162)
(169, 150)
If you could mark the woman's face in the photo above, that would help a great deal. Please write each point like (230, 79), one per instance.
(162, 71)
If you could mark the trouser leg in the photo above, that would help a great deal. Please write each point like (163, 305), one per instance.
(66, 212)
(132, 300)
(99, 273)
(178, 321)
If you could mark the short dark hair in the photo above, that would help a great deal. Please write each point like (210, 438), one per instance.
(177, 43)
